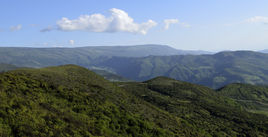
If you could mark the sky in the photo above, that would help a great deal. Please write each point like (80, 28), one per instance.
(211, 25)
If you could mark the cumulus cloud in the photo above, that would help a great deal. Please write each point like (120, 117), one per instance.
(168, 22)
(16, 28)
(71, 42)
(258, 19)
(118, 21)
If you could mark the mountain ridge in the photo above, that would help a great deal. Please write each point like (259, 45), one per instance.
(213, 70)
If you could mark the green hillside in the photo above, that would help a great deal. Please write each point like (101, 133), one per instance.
(69, 101)
(73, 101)
(201, 107)
(253, 98)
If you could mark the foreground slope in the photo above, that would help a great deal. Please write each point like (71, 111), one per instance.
(201, 107)
(70, 101)
(73, 101)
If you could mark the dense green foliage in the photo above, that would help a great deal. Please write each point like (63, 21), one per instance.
(73, 101)
(210, 70)
(253, 98)
(209, 113)
(67, 101)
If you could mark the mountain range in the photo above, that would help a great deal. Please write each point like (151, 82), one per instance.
(40, 57)
(214, 70)
(145, 62)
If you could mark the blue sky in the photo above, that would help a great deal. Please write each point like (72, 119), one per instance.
(193, 24)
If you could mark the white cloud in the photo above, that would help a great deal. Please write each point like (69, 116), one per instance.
(168, 22)
(258, 19)
(71, 42)
(16, 28)
(119, 21)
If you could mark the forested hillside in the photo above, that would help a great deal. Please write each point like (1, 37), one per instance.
(253, 98)
(73, 101)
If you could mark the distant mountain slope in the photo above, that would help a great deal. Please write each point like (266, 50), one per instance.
(211, 70)
(7, 67)
(264, 51)
(110, 76)
(254, 98)
(141, 50)
(73, 101)
(83, 56)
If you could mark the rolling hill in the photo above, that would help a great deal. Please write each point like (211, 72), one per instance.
(72, 101)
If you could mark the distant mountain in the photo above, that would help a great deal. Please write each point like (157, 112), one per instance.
(84, 56)
(72, 101)
(211, 70)
(264, 51)
(141, 51)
